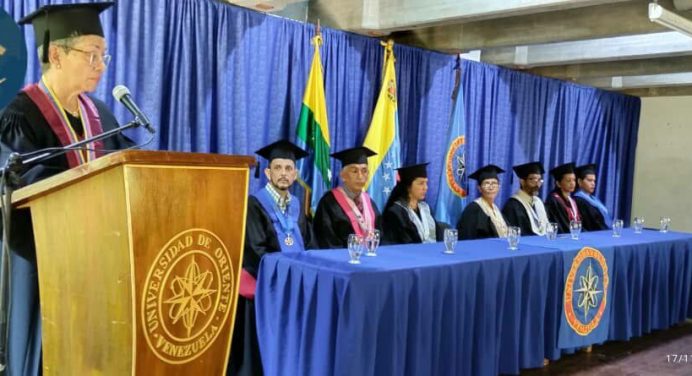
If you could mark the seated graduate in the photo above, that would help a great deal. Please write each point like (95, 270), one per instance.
(347, 209)
(560, 206)
(525, 209)
(275, 223)
(54, 112)
(406, 217)
(594, 214)
(482, 218)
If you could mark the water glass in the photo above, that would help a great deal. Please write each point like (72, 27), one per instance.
(665, 224)
(575, 229)
(617, 227)
(513, 236)
(355, 248)
(551, 231)
(372, 241)
(450, 237)
(638, 224)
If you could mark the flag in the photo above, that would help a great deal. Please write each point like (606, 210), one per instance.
(453, 180)
(383, 135)
(312, 134)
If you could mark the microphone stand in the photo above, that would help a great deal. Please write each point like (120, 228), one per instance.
(10, 181)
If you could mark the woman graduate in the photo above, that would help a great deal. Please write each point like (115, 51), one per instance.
(407, 218)
(482, 218)
(560, 206)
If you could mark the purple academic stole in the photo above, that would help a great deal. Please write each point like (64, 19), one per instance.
(59, 124)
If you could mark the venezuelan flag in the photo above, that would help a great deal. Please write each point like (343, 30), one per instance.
(383, 135)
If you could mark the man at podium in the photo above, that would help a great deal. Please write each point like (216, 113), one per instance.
(54, 112)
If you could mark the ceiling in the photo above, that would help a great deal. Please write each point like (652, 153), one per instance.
(610, 44)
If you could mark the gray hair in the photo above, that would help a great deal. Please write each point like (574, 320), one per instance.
(65, 43)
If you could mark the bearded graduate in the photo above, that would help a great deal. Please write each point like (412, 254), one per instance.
(594, 214)
(54, 112)
(482, 218)
(347, 209)
(560, 206)
(275, 223)
(406, 217)
(525, 209)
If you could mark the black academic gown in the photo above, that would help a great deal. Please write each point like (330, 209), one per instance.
(515, 215)
(397, 227)
(591, 217)
(260, 239)
(475, 224)
(23, 129)
(556, 213)
(331, 224)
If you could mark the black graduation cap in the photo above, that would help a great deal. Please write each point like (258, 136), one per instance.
(410, 173)
(584, 170)
(486, 172)
(526, 169)
(280, 149)
(357, 155)
(59, 21)
(559, 171)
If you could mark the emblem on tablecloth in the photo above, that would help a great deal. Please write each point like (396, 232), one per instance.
(187, 296)
(586, 291)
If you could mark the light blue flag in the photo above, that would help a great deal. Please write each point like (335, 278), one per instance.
(453, 181)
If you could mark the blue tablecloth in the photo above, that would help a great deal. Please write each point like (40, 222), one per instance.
(413, 310)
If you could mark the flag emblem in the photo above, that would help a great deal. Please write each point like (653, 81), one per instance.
(455, 166)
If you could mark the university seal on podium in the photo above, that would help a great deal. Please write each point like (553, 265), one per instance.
(187, 296)
(586, 291)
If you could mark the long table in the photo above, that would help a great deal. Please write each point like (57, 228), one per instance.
(484, 310)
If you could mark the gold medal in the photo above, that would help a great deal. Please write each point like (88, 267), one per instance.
(288, 240)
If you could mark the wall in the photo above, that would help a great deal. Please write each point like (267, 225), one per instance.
(663, 166)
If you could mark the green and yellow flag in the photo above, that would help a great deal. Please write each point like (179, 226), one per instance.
(313, 133)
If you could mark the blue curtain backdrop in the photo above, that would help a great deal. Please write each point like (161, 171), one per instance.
(222, 79)
(513, 118)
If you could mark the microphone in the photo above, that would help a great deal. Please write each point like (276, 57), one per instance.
(122, 94)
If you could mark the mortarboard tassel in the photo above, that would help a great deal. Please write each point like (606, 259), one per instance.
(46, 42)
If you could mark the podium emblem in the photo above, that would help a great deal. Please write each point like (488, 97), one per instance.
(187, 296)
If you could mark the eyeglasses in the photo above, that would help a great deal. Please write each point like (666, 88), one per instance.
(535, 180)
(94, 57)
(490, 184)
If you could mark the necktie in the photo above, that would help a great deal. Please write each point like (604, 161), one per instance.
(359, 203)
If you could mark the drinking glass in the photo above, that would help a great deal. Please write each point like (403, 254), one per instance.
(617, 227)
(551, 231)
(575, 229)
(638, 224)
(372, 241)
(513, 236)
(450, 237)
(665, 224)
(355, 248)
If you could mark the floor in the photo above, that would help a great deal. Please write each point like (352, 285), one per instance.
(661, 353)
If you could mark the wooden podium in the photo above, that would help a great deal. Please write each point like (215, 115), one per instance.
(138, 257)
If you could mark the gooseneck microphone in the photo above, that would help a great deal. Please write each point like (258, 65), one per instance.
(122, 94)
